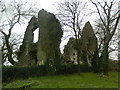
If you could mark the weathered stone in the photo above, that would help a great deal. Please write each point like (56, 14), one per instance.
(70, 53)
(89, 42)
(25, 57)
(49, 36)
(47, 47)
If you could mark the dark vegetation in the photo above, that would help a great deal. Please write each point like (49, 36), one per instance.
(13, 73)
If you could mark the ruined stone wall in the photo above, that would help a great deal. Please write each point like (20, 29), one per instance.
(89, 42)
(47, 47)
(70, 53)
(24, 57)
(88, 37)
(50, 34)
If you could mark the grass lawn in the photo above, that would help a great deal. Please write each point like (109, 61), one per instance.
(85, 80)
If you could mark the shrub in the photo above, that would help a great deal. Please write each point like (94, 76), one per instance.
(8, 73)
(11, 72)
(84, 68)
(72, 68)
(114, 65)
(67, 69)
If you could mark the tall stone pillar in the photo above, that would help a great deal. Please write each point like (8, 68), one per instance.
(50, 34)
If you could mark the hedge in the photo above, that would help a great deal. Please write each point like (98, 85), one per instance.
(12, 72)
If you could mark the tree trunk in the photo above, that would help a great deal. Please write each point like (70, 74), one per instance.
(78, 60)
(84, 57)
(100, 63)
(96, 62)
(10, 52)
(78, 54)
(105, 59)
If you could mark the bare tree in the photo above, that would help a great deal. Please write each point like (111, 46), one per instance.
(71, 14)
(15, 42)
(99, 31)
(13, 13)
(109, 19)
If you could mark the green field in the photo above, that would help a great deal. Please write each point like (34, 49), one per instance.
(84, 80)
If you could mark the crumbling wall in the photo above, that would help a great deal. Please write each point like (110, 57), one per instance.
(50, 34)
(70, 53)
(47, 47)
(88, 42)
(28, 47)
(87, 45)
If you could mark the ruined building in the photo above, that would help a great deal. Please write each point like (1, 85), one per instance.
(49, 37)
(50, 34)
(28, 48)
(70, 53)
(88, 45)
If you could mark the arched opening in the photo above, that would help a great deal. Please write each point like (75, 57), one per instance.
(36, 33)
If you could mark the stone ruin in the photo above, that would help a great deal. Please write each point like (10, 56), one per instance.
(70, 53)
(50, 34)
(49, 38)
(88, 44)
